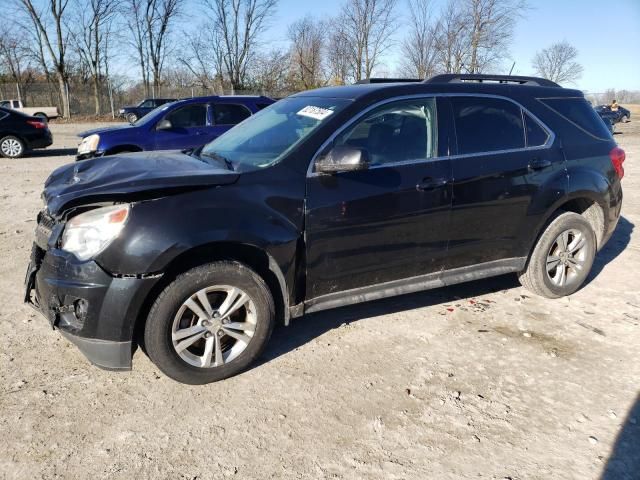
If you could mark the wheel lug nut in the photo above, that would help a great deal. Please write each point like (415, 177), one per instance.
(207, 335)
(220, 333)
(216, 314)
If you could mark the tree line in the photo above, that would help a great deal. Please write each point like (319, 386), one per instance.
(220, 45)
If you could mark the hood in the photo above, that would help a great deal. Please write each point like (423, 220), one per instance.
(102, 130)
(117, 177)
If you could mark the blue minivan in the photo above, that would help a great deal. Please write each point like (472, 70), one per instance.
(176, 125)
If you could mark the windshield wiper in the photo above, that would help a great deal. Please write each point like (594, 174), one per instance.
(219, 158)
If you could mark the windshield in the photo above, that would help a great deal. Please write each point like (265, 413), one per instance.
(264, 138)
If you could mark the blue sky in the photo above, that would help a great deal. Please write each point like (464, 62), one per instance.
(605, 32)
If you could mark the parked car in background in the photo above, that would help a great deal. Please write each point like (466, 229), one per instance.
(136, 112)
(327, 198)
(20, 133)
(621, 115)
(176, 125)
(41, 112)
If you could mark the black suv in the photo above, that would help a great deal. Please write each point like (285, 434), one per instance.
(329, 197)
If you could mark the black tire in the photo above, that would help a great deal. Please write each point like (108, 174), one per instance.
(158, 329)
(536, 278)
(624, 119)
(42, 116)
(131, 117)
(11, 147)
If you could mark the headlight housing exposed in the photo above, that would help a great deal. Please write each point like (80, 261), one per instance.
(89, 144)
(89, 233)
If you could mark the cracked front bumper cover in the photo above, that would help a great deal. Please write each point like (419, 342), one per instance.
(93, 309)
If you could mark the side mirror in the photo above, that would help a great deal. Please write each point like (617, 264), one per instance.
(343, 158)
(164, 124)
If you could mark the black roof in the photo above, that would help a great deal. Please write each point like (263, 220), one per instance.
(485, 84)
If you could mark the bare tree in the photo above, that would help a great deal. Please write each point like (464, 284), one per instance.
(14, 58)
(239, 23)
(339, 55)
(368, 27)
(419, 53)
(269, 72)
(307, 36)
(203, 59)
(159, 17)
(558, 63)
(491, 24)
(452, 38)
(55, 43)
(93, 19)
(133, 11)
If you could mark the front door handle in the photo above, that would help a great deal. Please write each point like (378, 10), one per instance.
(430, 183)
(539, 164)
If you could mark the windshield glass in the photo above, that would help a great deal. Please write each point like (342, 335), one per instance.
(149, 117)
(264, 138)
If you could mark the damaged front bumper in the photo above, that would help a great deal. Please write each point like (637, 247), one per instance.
(93, 309)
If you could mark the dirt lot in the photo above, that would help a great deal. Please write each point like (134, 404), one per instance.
(482, 380)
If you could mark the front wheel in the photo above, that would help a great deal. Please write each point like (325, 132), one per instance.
(562, 258)
(624, 119)
(210, 323)
(132, 117)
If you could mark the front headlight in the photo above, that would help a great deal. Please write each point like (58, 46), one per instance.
(89, 144)
(122, 110)
(89, 233)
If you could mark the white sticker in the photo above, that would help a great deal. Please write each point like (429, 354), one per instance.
(316, 113)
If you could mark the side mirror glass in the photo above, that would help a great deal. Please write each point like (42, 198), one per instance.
(343, 158)
(164, 124)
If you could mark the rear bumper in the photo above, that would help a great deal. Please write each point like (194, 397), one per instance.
(40, 142)
(93, 309)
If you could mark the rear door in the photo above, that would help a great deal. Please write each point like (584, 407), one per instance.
(504, 157)
(189, 128)
(390, 221)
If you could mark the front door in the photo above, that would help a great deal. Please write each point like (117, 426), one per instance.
(390, 221)
(188, 128)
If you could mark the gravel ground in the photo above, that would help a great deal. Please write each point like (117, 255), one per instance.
(482, 380)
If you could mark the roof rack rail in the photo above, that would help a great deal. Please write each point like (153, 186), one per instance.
(388, 80)
(481, 78)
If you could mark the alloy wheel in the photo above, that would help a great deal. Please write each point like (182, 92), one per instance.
(567, 258)
(11, 147)
(214, 326)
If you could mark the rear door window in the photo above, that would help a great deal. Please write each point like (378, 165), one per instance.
(485, 124)
(229, 113)
(580, 113)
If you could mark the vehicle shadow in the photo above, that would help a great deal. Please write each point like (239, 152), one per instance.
(305, 329)
(624, 461)
(616, 245)
(51, 152)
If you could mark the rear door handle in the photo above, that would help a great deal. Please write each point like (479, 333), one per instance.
(539, 164)
(430, 183)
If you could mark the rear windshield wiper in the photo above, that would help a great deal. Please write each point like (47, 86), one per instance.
(219, 158)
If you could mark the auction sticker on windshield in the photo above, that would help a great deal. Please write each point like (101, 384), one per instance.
(316, 113)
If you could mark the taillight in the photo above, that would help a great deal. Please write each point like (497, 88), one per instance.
(617, 156)
(37, 123)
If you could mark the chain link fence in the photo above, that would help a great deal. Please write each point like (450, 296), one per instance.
(82, 98)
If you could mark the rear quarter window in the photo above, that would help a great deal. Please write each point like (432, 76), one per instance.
(579, 113)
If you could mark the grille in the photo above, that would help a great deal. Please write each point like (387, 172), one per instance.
(44, 229)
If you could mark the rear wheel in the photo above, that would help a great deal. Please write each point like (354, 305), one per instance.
(42, 116)
(562, 258)
(210, 323)
(11, 147)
